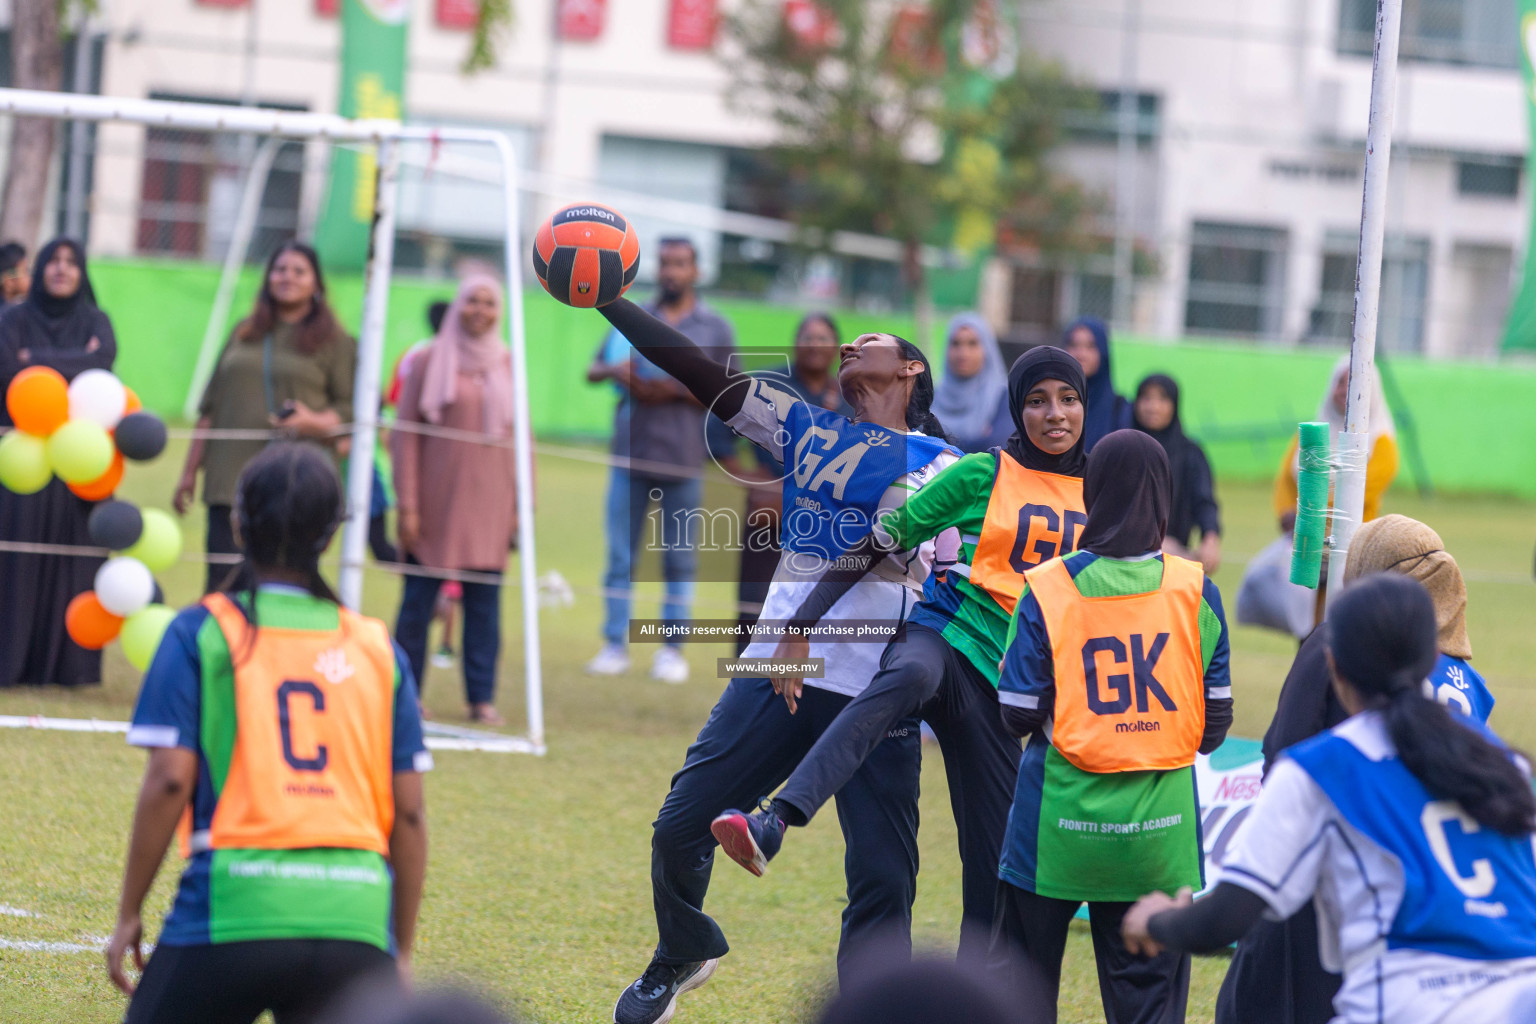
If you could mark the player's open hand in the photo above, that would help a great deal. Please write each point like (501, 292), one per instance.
(791, 647)
(1134, 927)
(129, 935)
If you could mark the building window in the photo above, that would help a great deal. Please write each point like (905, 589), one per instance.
(1101, 122)
(1475, 32)
(190, 189)
(1488, 176)
(1236, 280)
(1404, 289)
(684, 171)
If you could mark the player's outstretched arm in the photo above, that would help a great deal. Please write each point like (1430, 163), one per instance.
(716, 388)
(167, 787)
(408, 858)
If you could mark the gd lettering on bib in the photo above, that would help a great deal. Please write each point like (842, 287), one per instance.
(1130, 679)
(1032, 517)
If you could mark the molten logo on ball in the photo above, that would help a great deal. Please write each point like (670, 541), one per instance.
(586, 255)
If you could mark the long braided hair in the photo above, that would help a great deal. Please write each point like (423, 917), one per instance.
(920, 404)
(288, 505)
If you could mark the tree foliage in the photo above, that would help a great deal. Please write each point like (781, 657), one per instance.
(494, 22)
(886, 124)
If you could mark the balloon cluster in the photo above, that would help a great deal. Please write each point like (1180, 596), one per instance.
(83, 431)
(80, 431)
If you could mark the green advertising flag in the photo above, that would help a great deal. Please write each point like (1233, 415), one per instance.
(373, 42)
(1520, 328)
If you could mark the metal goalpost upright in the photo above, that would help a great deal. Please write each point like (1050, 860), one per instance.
(386, 137)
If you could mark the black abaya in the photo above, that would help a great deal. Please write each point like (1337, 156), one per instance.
(37, 589)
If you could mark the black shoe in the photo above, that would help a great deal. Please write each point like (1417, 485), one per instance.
(653, 998)
(750, 840)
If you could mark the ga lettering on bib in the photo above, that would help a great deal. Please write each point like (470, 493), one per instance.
(311, 764)
(1032, 517)
(1130, 679)
(839, 472)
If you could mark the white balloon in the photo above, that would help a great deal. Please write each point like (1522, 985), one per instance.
(97, 395)
(124, 585)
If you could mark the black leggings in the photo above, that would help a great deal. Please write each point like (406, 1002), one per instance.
(234, 982)
(921, 674)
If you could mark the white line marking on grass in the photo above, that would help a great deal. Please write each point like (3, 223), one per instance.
(30, 946)
(6, 911)
(456, 738)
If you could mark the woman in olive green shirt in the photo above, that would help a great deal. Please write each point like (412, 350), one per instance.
(290, 365)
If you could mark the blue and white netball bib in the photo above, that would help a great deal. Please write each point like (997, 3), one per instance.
(1453, 683)
(1468, 891)
(837, 472)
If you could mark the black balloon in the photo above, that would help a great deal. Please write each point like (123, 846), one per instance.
(115, 525)
(140, 436)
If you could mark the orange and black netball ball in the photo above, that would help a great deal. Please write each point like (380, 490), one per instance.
(586, 255)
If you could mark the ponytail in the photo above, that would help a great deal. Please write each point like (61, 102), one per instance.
(919, 405)
(1382, 636)
(288, 505)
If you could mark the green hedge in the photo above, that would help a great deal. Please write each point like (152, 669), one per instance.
(1476, 422)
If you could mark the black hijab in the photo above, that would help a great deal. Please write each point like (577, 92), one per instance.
(1127, 490)
(1172, 436)
(1034, 366)
(67, 322)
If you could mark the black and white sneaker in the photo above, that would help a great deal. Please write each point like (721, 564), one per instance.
(652, 999)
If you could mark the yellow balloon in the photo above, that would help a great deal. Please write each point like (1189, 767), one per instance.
(80, 451)
(24, 466)
(159, 543)
(142, 633)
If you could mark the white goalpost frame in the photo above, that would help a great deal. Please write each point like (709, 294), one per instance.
(385, 136)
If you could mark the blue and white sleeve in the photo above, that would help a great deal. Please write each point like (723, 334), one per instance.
(1028, 676)
(409, 744)
(169, 708)
(763, 415)
(1217, 647)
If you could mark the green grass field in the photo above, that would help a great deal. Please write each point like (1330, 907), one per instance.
(537, 886)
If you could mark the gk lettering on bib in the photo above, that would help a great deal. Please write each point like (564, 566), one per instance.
(1130, 679)
(311, 765)
(1032, 517)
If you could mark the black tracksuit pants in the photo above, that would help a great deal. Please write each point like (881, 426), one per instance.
(1030, 941)
(922, 675)
(744, 752)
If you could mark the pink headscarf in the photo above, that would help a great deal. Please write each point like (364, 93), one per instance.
(454, 352)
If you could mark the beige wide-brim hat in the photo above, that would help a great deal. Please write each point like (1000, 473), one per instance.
(1395, 543)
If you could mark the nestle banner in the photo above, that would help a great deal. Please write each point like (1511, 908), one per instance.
(691, 25)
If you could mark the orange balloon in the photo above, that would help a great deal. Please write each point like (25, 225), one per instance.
(102, 487)
(38, 400)
(89, 624)
(134, 405)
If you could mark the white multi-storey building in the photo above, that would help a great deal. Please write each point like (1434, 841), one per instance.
(1246, 163)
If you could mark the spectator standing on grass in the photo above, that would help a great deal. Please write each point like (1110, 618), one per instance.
(1156, 412)
(59, 326)
(15, 274)
(971, 399)
(658, 446)
(284, 735)
(1381, 465)
(1088, 340)
(458, 497)
(288, 366)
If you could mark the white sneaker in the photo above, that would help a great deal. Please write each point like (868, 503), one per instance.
(612, 660)
(669, 666)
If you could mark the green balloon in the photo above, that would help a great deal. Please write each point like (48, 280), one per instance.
(142, 632)
(24, 465)
(81, 451)
(159, 545)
